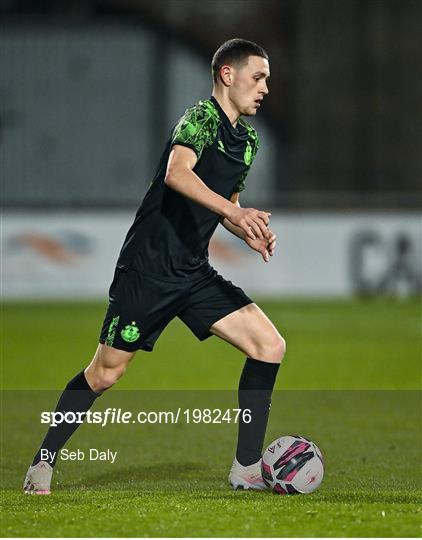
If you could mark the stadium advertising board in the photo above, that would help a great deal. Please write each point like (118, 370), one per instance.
(70, 255)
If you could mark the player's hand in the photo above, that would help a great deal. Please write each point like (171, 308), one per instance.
(264, 246)
(253, 222)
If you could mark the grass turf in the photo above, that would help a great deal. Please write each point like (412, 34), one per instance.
(330, 344)
(170, 480)
(213, 512)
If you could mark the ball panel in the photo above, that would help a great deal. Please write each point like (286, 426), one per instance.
(266, 473)
(279, 489)
(291, 490)
(310, 477)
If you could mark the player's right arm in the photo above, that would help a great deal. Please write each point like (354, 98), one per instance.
(181, 177)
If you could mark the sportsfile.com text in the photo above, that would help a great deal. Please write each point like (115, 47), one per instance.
(113, 415)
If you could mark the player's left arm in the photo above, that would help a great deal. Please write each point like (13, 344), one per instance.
(264, 246)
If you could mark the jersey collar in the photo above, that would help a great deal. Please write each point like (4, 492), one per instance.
(224, 116)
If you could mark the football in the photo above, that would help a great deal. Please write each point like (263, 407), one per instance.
(292, 464)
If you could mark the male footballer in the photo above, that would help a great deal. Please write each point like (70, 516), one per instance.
(163, 270)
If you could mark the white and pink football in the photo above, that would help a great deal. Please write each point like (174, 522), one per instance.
(292, 464)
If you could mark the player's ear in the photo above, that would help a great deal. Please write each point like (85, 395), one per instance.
(226, 75)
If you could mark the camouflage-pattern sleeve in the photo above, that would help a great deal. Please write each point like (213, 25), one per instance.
(198, 127)
(251, 149)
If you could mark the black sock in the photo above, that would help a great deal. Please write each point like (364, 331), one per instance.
(255, 389)
(76, 397)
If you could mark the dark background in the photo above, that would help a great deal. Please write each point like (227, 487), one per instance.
(343, 113)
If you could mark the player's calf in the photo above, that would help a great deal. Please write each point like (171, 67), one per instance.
(79, 395)
(255, 389)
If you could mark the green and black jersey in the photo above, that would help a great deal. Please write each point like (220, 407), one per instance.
(170, 234)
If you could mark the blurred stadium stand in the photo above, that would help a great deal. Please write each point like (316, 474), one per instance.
(90, 89)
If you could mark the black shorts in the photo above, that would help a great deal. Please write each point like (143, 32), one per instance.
(141, 306)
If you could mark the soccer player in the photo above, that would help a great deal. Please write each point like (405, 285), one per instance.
(163, 269)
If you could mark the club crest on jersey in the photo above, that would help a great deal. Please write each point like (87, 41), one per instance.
(247, 157)
(130, 332)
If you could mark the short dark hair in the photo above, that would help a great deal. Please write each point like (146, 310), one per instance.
(234, 51)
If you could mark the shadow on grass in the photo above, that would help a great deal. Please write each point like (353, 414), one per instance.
(151, 477)
(186, 478)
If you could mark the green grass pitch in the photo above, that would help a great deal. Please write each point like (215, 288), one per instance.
(350, 381)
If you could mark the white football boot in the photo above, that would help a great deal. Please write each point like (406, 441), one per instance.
(38, 479)
(249, 477)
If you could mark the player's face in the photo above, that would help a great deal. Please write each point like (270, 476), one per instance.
(249, 85)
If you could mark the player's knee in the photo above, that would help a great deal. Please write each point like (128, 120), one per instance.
(106, 368)
(272, 349)
(105, 378)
